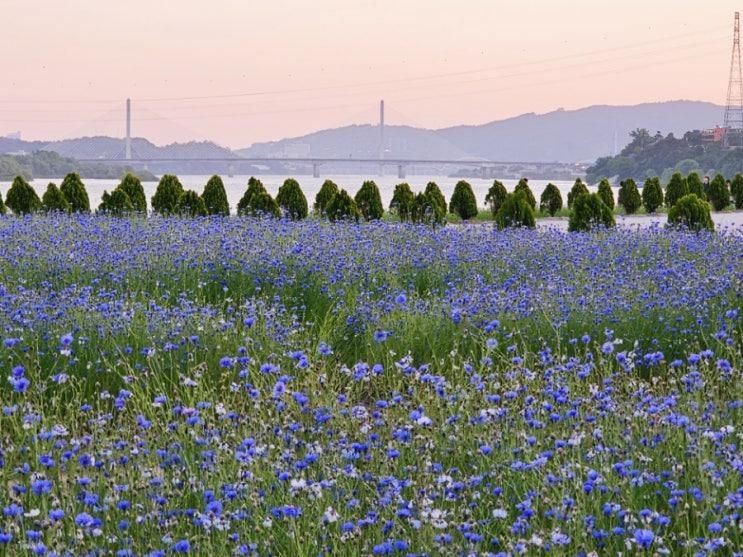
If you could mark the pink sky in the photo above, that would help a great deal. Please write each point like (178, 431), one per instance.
(299, 66)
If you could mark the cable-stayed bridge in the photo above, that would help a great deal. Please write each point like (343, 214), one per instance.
(125, 152)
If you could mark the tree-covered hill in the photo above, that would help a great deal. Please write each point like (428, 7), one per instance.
(45, 164)
(654, 155)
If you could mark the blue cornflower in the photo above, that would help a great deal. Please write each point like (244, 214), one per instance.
(401, 298)
(456, 316)
(381, 336)
(181, 546)
(715, 528)
(41, 487)
(84, 520)
(226, 362)
(143, 422)
(66, 339)
(20, 385)
(214, 507)
(324, 349)
(644, 538)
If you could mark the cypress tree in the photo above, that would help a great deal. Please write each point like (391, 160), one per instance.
(117, 203)
(263, 205)
(495, 197)
(629, 197)
(325, 196)
(426, 210)
(166, 195)
(718, 193)
(691, 212)
(255, 186)
(551, 200)
(291, 200)
(54, 200)
(515, 211)
(463, 202)
(74, 191)
(190, 204)
(676, 189)
(523, 186)
(369, 201)
(652, 195)
(606, 194)
(21, 197)
(3, 210)
(131, 185)
(579, 188)
(402, 201)
(343, 208)
(435, 195)
(215, 198)
(736, 191)
(694, 185)
(588, 213)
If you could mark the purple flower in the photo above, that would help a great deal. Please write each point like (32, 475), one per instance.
(181, 546)
(644, 538)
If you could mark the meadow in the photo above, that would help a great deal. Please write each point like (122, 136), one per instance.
(239, 386)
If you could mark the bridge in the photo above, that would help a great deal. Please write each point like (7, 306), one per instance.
(486, 167)
(380, 159)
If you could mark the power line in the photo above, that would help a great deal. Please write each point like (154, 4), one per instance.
(373, 83)
(341, 95)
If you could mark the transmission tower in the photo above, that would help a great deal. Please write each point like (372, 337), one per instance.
(734, 105)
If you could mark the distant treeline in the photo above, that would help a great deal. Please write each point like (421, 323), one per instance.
(654, 155)
(515, 209)
(47, 164)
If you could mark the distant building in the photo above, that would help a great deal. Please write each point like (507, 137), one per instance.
(714, 135)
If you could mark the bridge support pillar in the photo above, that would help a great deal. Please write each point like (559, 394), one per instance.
(484, 172)
(401, 171)
(231, 170)
(315, 170)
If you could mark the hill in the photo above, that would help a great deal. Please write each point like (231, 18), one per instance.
(647, 155)
(581, 135)
(102, 147)
(47, 164)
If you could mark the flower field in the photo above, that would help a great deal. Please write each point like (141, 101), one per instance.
(235, 386)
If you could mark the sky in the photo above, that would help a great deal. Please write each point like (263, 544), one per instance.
(244, 71)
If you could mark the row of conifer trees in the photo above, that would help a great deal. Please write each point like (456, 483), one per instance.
(508, 209)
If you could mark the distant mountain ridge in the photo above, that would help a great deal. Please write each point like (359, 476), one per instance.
(581, 135)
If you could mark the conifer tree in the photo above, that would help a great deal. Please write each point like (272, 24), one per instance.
(54, 200)
(369, 201)
(73, 189)
(291, 200)
(215, 197)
